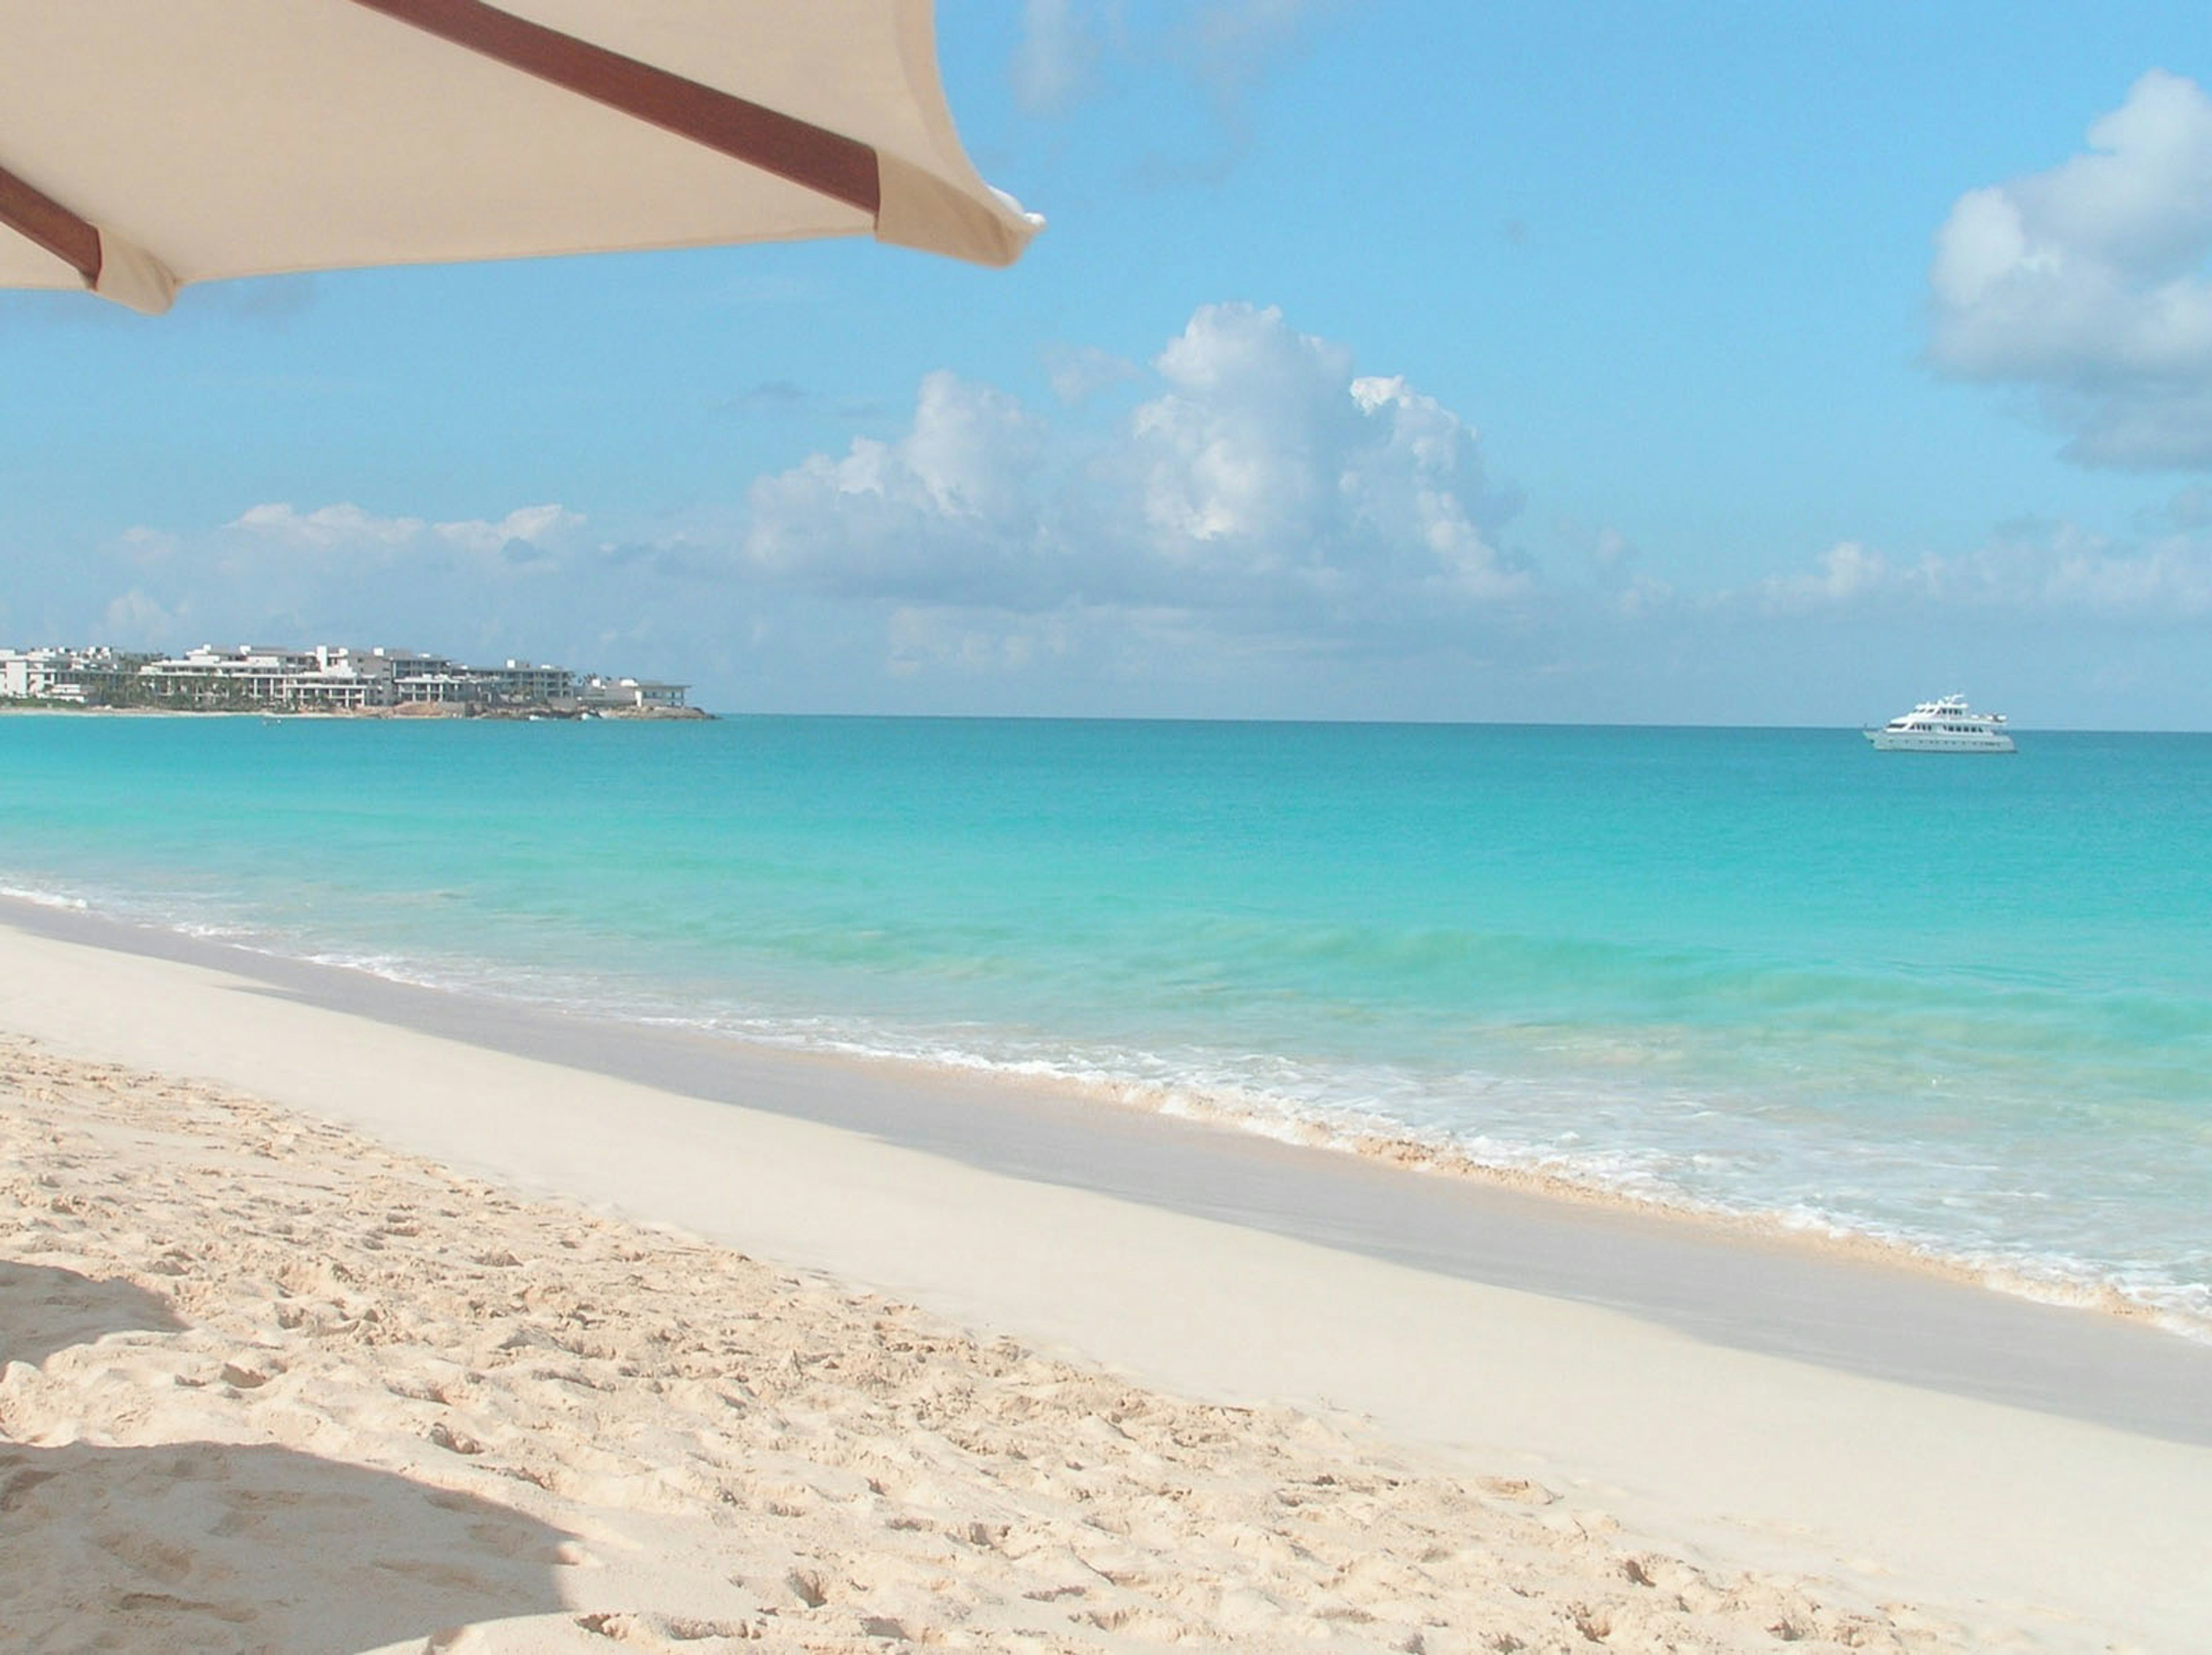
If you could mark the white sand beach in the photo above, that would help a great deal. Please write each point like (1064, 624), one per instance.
(323, 1332)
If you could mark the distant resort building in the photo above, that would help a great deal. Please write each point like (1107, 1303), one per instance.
(518, 680)
(82, 676)
(604, 693)
(326, 679)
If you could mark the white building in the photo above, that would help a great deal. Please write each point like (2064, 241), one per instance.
(325, 679)
(245, 676)
(63, 675)
(27, 674)
(529, 683)
(604, 692)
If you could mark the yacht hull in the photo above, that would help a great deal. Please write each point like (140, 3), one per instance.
(1929, 741)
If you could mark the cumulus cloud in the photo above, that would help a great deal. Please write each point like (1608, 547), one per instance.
(946, 511)
(2088, 284)
(1265, 484)
(1268, 469)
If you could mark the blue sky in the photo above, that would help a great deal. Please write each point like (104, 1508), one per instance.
(1676, 363)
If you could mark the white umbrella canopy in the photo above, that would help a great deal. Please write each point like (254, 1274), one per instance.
(145, 144)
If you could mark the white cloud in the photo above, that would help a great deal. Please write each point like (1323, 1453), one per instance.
(1265, 484)
(2088, 284)
(326, 528)
(346, 528)
(1418, 494)
(1269, 474)
(529, 525)
(1238, 454)
(1841, 575)
(945, 511)
(2056, 571)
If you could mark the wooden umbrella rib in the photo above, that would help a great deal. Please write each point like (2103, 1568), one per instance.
(827, 162)
(36, 216)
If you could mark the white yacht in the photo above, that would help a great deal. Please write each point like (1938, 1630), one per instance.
(1943, 726)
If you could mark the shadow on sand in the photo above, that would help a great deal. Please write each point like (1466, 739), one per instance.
(44, 1310)
(220, 1546)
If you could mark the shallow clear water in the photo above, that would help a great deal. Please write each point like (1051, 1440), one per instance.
(1963, 1003)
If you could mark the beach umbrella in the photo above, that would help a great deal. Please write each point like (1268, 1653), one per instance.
(149, 143)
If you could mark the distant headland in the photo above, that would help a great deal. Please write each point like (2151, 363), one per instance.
(327, 679)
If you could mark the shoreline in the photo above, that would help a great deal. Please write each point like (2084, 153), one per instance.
(414, 1002)
(1749, 1284)
(1758, 1404)
(1425, 1158)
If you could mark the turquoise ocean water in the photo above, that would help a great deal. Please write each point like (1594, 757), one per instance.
(1962, 1004)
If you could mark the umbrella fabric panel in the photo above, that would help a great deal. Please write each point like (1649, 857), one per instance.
(233, 137)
